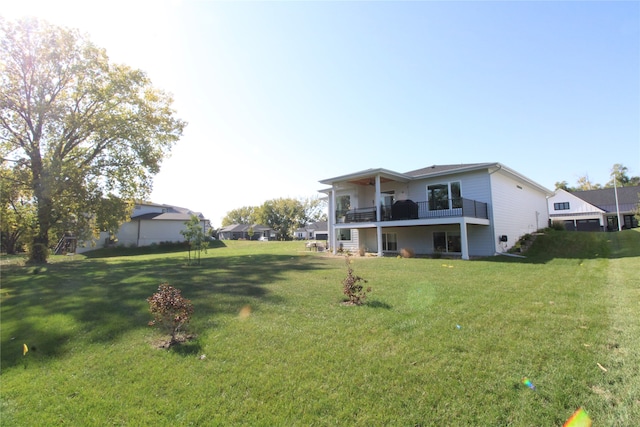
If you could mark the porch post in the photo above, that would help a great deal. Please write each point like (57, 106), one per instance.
(332, 221)
(463, 239)
(379, 239)
(378, 209)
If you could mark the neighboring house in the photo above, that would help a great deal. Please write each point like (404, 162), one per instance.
(243, 231)
(150, 223)
(314, 231)
(595, 210)
(464, 210)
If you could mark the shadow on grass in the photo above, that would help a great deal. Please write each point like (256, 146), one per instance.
(378, 304)
(167, 248)
(187, 348)
(98, 301)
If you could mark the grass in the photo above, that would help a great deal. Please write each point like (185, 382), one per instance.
(439, 342)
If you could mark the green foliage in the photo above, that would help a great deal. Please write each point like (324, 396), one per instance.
(558, 225)
(77, 129)
(283, 215)
(244, 215)
(197, 240)
(170, 310)
(17, 210)
(352, 285)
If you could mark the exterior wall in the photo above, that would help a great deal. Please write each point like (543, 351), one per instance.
(517, 209)
(352, 245)
(473, 185)
(578, 209)
(420, 238)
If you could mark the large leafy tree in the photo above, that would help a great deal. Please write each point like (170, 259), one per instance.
(283, 215)
(620, 174)
(80, 129)
(244, 215)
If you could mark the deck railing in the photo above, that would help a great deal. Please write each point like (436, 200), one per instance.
(408, 210)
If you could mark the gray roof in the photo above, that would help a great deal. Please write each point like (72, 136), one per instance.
(170, 213)
(243, 227)
(605, 198)
(436, 169)
(365, 177)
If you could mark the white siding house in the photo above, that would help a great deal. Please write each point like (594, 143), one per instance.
(596, 210)
(462, 210)
(150, 223)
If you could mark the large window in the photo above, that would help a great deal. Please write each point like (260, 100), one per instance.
(447, 241)
(561, 206)
(389, 242)
(444, 196)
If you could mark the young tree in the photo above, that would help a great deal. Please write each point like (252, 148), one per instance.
(196, 238)
(82, 127)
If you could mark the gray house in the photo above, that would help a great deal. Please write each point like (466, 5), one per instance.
(462, 210)
(247, 232)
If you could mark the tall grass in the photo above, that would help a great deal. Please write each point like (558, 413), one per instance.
(439, 342)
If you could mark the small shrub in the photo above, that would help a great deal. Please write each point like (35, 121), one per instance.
(170, 310)
(436, 254)
(352, 284)
(362, 251)
(558, 226)
(407, 253)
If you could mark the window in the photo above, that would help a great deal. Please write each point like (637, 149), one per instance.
(344, 234)
(389, 242)
(561, 206)
(447, 241)
(444, 196)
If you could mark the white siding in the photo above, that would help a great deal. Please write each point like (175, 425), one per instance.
(517, 209)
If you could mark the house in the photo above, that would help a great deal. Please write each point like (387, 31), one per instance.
(595, 210)
(465, 210)
(246, 231)
(150, 223)
(314, 231)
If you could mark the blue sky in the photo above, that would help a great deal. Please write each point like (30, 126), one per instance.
(280, 95)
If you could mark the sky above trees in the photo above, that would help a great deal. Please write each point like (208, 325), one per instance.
(280, 95)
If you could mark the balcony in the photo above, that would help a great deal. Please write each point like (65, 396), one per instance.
(408, 210)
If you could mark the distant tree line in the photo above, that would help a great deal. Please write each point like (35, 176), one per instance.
(619, 175)
(283, 215)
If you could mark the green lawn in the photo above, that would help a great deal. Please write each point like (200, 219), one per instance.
(440, 342)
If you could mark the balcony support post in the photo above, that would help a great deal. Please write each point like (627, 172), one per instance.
(464, 241)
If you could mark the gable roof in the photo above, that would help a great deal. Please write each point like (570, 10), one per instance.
(605, 198)
(167, 213)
